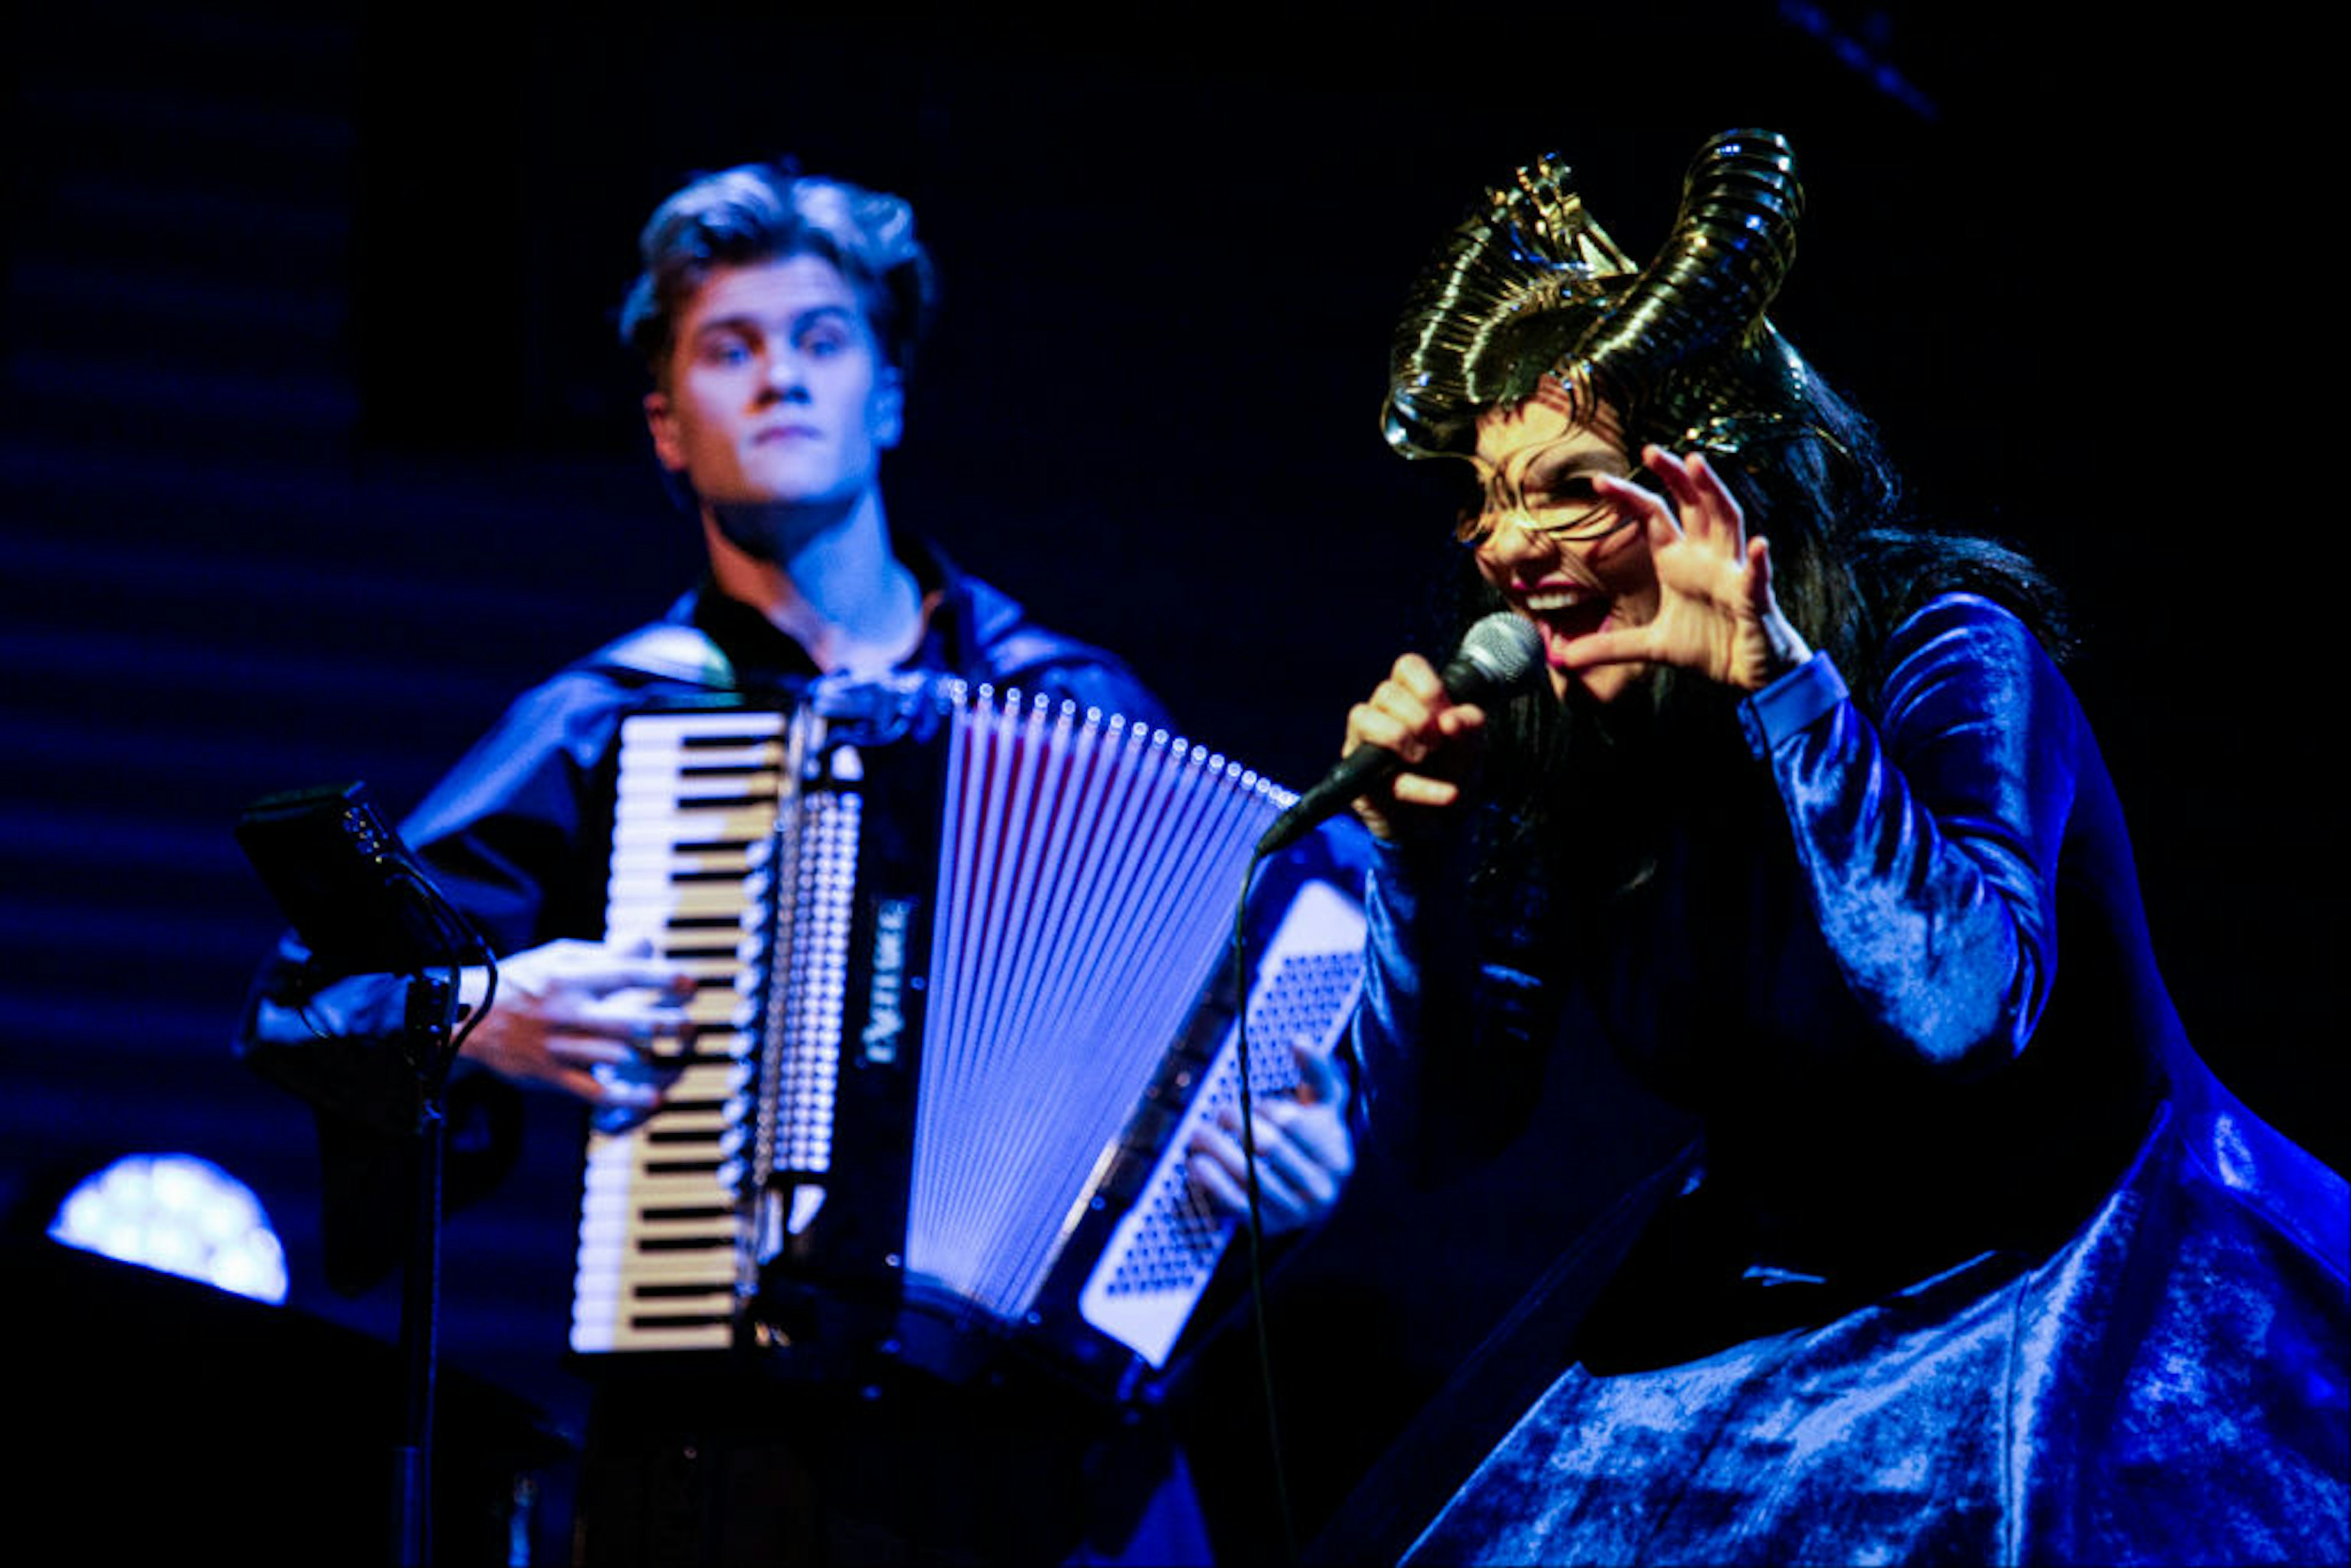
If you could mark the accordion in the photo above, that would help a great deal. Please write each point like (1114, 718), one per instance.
(965, 988)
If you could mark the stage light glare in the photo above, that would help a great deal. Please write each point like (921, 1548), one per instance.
(180, 1215)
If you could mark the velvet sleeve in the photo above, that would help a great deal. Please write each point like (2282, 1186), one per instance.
(1448, 1039)
(1928, 840)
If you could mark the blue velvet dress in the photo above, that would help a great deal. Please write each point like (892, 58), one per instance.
(1976, 1262)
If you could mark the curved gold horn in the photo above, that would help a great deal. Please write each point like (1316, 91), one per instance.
(1731, 248)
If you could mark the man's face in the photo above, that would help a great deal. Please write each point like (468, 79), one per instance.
(776, 393)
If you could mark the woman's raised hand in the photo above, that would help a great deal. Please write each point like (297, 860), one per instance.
(1716, 612)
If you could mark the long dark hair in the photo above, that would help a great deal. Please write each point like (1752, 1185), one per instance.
(1850, 564)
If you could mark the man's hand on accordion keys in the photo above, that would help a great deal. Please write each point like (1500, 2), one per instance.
(1305, 1151)
(586, 1020)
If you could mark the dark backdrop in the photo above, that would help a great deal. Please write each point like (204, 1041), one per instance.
(319, 447)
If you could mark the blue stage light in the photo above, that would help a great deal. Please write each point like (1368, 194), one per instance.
(180, 1215)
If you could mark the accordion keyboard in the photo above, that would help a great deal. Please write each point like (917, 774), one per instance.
(660, 1264)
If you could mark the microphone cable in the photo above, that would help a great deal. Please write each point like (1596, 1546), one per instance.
(1255, 1226)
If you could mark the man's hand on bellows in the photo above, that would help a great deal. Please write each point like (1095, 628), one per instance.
(1305, 1153)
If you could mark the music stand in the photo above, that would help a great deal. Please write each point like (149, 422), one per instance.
(361, 900)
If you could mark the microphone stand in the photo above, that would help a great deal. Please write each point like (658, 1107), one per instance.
(364, 902)
(431, 1017)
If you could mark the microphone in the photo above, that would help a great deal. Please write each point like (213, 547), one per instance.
(1496, 655)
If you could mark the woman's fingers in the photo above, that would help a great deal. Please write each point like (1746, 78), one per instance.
(1372, 724)
(1410, 715)
(1725, 518)
(1420, 790)
(1759, 575)
(1651, 509)
(1708, 512)
(1630, 645)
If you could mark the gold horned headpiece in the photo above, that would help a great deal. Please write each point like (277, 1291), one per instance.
(1530, 286)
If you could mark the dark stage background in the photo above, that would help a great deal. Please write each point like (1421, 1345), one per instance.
(318, 448)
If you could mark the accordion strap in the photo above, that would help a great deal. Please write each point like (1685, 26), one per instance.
(671, 651)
